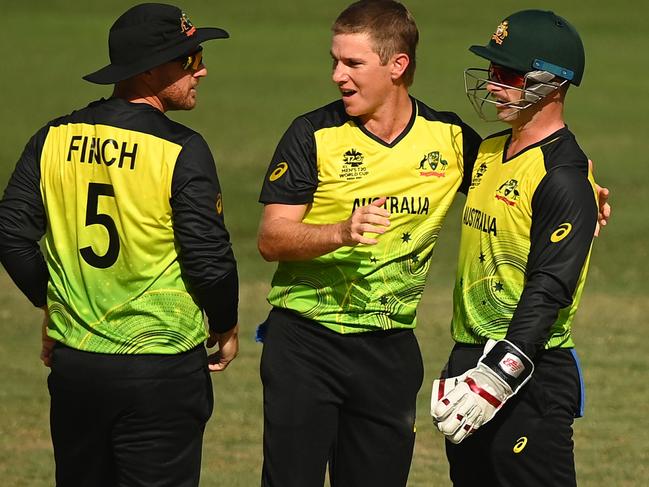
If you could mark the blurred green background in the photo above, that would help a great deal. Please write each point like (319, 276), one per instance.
(276, 66)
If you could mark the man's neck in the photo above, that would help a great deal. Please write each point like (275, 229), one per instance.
(391, 119)
(127, 92)
(531, 128)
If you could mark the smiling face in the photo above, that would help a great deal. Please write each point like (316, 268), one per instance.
(364, 82)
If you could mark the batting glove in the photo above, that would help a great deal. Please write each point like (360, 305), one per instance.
(468, 401)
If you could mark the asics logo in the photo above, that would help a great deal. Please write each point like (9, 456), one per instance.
(560, 233)
(279, 171)
(520, 445)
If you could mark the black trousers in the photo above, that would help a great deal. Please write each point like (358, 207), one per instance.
(128, 420)
(529, 441)
(344, 400)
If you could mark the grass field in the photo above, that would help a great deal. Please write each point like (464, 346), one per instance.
(276, 66)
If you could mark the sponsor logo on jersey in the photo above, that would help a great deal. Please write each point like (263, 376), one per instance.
(186, 27)
(279, 171)
(520, 445)
(477, 177)
(101, 151)
(353, 167)
(501, 32)
(479, 220)
(433, 164)
(508, 192)
(561, 232)
(219, 204)
(412, 205)
(511, 365)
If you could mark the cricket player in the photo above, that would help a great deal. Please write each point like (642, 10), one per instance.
(354, 198)
(513, 385)
(136, 250)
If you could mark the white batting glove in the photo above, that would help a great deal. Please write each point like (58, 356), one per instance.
(475, 397)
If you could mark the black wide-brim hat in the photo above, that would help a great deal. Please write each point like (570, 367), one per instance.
(146, 36)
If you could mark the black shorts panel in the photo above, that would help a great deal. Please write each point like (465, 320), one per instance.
(344, 400)
(128, 420)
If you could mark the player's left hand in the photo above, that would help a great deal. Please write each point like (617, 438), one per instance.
(228, 348)
(47, 343)
(475, 397)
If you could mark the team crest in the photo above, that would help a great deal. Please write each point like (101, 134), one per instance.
(508, 192)
(186, 27)
(353, 167)
(477, 177)
(501, 32)
(433, 164)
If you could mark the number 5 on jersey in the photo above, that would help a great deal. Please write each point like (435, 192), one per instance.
(95, 190)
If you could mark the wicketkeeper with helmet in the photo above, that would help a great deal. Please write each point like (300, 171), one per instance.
(512, 386)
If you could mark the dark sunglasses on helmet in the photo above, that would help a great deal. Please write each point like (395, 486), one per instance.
(192, 61)
(506, 76)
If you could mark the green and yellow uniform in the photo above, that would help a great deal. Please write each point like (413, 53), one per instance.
(131, 209)
(527, 229)
(329, 161)
(341, 365)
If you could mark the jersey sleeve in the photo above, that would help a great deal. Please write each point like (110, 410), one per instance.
(470, 144)
(564, 215)
(23, 223)
(206, 257)
(292, 177)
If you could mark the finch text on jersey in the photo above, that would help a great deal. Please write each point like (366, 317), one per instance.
(479, 220)
(413, 205)
(107, 151)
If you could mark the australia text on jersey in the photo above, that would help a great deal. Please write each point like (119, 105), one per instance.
(479, 220)
(413, 205)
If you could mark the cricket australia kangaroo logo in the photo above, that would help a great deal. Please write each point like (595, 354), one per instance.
(501, 32)
(186, 27)
(435, 162)
(508, 192)
(353, 167)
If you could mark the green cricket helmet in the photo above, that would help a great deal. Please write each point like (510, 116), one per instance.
(533, 40)
(543, 47)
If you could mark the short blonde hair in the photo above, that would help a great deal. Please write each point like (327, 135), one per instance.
(389, 24)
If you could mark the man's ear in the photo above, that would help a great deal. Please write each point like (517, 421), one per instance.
(398, 64)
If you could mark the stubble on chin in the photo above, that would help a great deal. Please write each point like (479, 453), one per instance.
(177, 99)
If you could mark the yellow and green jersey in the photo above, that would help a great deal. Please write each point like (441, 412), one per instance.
(329, 161)
(527, 229)
(136, 245)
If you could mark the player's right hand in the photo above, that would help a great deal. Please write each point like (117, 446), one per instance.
(372, 218)
(478, 395)
(228, 349)
(441, 387)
